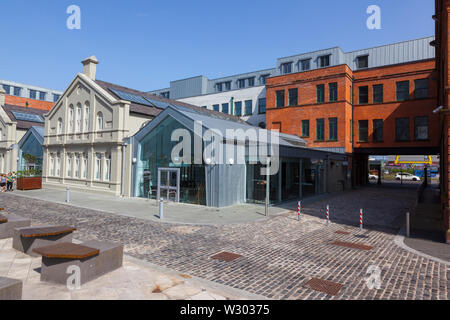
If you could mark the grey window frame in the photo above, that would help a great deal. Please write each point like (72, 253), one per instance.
(280, 103)
(227, 108)
(33, 94)
(291, 97)
(378, 127)
(303, 128)
(17, 91)
(304, 62)
(322, 131)
(333, 129)
(416, 138)
(241, 83)
(397, 128)
(331, 97)
(363, 133)
(284, 67)
(374, 94)
(398, 92)
(246, 107)
(360, 94)
(238, 105)
(358, 61)
(260, 104)
(422, 89)
(324, 58)
(7, 88)
(42, 95)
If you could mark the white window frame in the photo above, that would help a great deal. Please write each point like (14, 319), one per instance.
(79, 111)
(52, 166)
(100, 124)
(86, 118)
(107, 171)
(98, 167)
(84, 167)
(69, 166)
(71, 118)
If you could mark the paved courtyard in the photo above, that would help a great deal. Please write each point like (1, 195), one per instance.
(279, 254)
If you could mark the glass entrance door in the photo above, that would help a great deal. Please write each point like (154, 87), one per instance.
(169, 184)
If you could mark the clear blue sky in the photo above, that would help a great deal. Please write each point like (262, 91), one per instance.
(145, 44)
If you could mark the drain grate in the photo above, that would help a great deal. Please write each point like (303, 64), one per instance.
(342, 232)
(352, 245)
(226, 256)
(328, 287)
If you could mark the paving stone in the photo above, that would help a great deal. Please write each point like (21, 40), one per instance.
(278, 254)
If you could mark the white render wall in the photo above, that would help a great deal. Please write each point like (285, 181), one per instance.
(253, 93)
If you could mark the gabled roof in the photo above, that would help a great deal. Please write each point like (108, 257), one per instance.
(21, 124)
(160, 103)
(38, 132)
(212, 122)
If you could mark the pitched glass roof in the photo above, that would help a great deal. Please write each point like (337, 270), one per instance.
(27, 117)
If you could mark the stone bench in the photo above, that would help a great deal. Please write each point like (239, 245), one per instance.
(94, 258)
(10, 289)
(26, 239)
(9, 222)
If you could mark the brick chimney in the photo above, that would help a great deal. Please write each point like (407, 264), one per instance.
(2, 96)
(90, 67)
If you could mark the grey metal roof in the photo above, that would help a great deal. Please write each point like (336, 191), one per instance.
(394, 53)
(9, 109)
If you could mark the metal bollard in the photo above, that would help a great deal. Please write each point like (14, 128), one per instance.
(161, 208)
(67, 194)
(407, 225)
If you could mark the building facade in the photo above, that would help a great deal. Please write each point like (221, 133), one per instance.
(15, 122)
(442, 47)
(23, 92)
(244, 94)
(362, 106)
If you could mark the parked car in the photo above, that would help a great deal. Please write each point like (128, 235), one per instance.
(407, 177)
(373, 177)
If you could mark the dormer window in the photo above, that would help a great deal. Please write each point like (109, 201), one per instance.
(324, 61)
(219, 87)
(362, 62)
(305, 64)
(286, 67)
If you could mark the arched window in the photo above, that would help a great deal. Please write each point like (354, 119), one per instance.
(71, 118)
(78, 127)
(1, 134)
(99, 121)
(86, 116)
(60, 126)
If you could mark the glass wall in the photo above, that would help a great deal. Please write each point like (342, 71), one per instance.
(154, 151)
(30, 156)
(294, 173)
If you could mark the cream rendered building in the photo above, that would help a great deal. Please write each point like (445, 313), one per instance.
(85, 135)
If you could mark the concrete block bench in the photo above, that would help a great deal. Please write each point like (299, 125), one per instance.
(10, 289)
(26, 239)
(8, 222)
(94, 258)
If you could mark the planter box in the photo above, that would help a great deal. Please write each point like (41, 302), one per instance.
(29, 183)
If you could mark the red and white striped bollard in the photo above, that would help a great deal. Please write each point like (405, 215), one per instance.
(299, 210)
(361, 219)
(328, 215)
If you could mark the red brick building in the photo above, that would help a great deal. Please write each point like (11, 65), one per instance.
(442, 64)
(391, 107)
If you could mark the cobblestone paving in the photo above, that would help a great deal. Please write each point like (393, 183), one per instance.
(279, 255)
